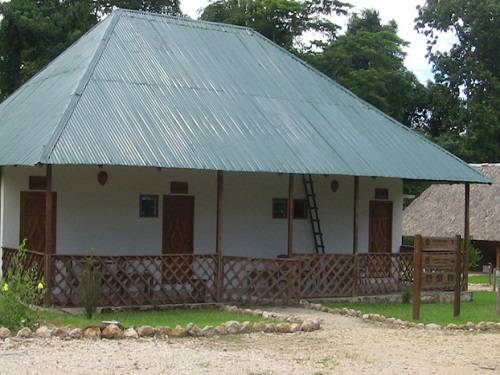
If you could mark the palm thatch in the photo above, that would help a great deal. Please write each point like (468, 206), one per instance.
(439, 210)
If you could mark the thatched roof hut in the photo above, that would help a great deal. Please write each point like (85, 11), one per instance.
(439, 210)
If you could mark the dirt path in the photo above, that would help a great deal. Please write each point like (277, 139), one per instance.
(343, 346)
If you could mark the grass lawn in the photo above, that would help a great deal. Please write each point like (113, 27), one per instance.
(482, 308)
(479, 279)
(171, 318)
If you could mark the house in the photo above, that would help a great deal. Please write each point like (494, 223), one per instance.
(199, 162)
(439, 210)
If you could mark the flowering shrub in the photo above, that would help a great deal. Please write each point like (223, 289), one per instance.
(20, 289)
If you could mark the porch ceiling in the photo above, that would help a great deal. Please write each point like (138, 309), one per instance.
(150, 90)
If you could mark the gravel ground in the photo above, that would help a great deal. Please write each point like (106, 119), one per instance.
(344, 345)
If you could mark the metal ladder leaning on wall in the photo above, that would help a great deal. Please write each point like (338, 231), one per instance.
(312, 206)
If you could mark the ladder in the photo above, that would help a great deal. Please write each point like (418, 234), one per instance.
(312, 205)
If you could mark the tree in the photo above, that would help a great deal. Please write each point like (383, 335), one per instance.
(282, 21)
(464, 114)
(369, 60)
(34, 32)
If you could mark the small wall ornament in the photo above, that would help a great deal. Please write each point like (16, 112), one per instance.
(334, 185)
(102, 178)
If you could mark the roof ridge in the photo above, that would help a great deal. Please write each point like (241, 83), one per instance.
(183, 19)
(59, 129)
(369, 105)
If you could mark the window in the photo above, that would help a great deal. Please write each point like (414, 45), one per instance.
(280, 208)
(148, 206)
(300, 209)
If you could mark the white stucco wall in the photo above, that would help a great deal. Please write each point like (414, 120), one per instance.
(105, 219)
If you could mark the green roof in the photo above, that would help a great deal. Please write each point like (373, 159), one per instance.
(150, 90)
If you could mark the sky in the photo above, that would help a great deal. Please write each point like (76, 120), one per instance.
(402, 11)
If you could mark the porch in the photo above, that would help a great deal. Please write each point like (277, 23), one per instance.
(156, 253)
(208, 278)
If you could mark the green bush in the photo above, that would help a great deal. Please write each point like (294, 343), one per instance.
(475, 256)
(21, 289)
(89, 288)
(407, 296)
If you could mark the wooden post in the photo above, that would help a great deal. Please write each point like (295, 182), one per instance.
(417, 276)
(219, 234)
(466, 236)
(355, 236)
(458, 275)
(497, 272)
(355, 216)
(290, 216)
(1, 226)
(49, 234)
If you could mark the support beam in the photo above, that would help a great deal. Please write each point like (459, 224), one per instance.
(417, 276)
(49, 233)
(219, 233)
(466, 234)
(495, 279)
(457, 289)
(355, 216)
(49, 214)
(290, 215)
(355, 237)
(220, 213)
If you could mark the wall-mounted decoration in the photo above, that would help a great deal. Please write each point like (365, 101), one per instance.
(38, 183)
(102, 178)
(148, 206)
(177, 187)
(334, 185)
(381, 193)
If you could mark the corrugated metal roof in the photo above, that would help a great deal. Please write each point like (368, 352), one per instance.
(150, 90)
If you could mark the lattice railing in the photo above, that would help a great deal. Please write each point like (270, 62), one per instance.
(384, 273)
(138, 280)
(32, 259)
(326, 275)
(251, 280)
(174, 279)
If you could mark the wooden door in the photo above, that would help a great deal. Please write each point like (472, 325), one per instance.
(380, 227)
(32, 226)
(178, 217)
(380, 240)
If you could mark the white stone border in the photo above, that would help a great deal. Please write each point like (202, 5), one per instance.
(113, 330)
(398, 323)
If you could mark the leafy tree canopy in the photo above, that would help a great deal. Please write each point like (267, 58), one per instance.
(464, 106)
(34, 32)
(282, 21)
(369, 60)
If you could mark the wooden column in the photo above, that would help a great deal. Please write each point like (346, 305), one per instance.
(466, 235)
(219, 233)
(458, 273)
(355, 237)
(290, 216)
(417, 276)
(495, 278)
(49, 234)
(355, 216)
